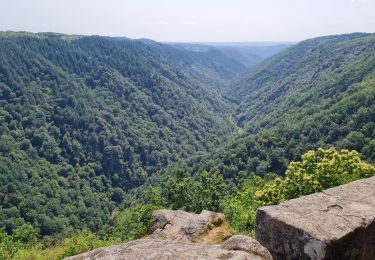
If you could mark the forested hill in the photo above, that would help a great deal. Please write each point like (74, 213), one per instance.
(84, 119)
(318, 93)
(325, 66)
(209, 60)
(247, 54)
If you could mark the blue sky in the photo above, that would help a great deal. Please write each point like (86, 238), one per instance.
(191, 20)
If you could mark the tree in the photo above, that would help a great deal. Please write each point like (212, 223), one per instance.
(355, 140)
(7, 246)
(318, 170)
(178, 190)
(208, 190)
(134, 222)
(240, 209)
(202, 192)
(26, 234)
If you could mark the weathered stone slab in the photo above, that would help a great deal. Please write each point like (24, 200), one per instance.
(338, 223)
(237, 248)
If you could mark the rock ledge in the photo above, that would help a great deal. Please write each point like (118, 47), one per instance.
(175, 236)
(338, 223)
(237, 247)
(206, 228)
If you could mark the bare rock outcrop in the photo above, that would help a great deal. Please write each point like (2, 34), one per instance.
(338, 223)
(207, 227)
(237, 248)
(183, 235)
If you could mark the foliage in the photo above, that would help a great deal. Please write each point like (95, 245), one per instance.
(83, 242)
(79, 243)
(240, 209)
(317, 171)
(318, 93)
(85, 119)
(7, 246)
(24, 237)
(196, 193)
(134, 222)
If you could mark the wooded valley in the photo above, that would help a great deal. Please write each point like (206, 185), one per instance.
(97, 132)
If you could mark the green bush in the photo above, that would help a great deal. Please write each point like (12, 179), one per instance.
(83, 242)
(79, 243)
(134, 222)
(240, 210)
(318, 170)
(23, 237)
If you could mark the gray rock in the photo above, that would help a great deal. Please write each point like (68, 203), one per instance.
(246, 244)
(338, 223)
(207, 227)
(180, 230)
(165, 250)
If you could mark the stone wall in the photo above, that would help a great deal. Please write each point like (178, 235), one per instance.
(338, 223)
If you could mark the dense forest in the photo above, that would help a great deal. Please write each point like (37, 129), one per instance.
(318, 93)
(96, 132)
(83, 120)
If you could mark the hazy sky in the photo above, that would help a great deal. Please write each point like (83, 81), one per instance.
(191, 20)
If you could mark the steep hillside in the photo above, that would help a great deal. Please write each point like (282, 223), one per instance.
(318, 93)
(323, 66)
(84, 119)
(206, 62)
